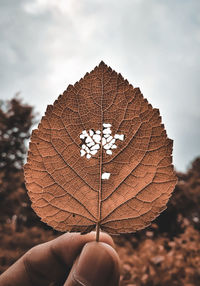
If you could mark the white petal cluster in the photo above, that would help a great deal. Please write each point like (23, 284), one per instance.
(91, 144)
(108, 141)
(93, 139)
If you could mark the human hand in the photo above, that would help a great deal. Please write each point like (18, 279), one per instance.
(70, 260)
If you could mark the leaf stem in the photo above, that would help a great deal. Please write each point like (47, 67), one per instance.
(100, 165)
(97, 231)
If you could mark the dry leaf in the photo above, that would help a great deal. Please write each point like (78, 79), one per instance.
(100, 157)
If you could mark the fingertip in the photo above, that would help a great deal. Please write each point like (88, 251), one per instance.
(69, 245)
(103, 237)
(110, 249)
(106, 238)
(98, 264)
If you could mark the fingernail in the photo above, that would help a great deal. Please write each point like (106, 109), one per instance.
(95, 266)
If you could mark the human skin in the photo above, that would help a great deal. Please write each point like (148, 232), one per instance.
(70, 260)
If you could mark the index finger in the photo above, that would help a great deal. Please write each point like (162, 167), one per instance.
(50, 261)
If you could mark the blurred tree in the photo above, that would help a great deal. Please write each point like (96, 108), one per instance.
(16, 120)
(183, 207)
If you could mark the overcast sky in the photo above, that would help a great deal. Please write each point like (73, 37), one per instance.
(45, 45)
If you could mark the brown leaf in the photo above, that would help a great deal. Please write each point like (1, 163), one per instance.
(122, 185)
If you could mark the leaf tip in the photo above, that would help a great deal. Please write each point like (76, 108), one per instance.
(102, 64)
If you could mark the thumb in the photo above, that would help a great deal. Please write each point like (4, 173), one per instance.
(97, 265)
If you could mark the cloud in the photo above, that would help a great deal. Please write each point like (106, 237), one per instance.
(64, 7)
(46, 45)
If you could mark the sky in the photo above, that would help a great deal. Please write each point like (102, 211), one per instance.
(45, 45)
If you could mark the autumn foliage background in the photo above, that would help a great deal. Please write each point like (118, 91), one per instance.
(166, 253)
